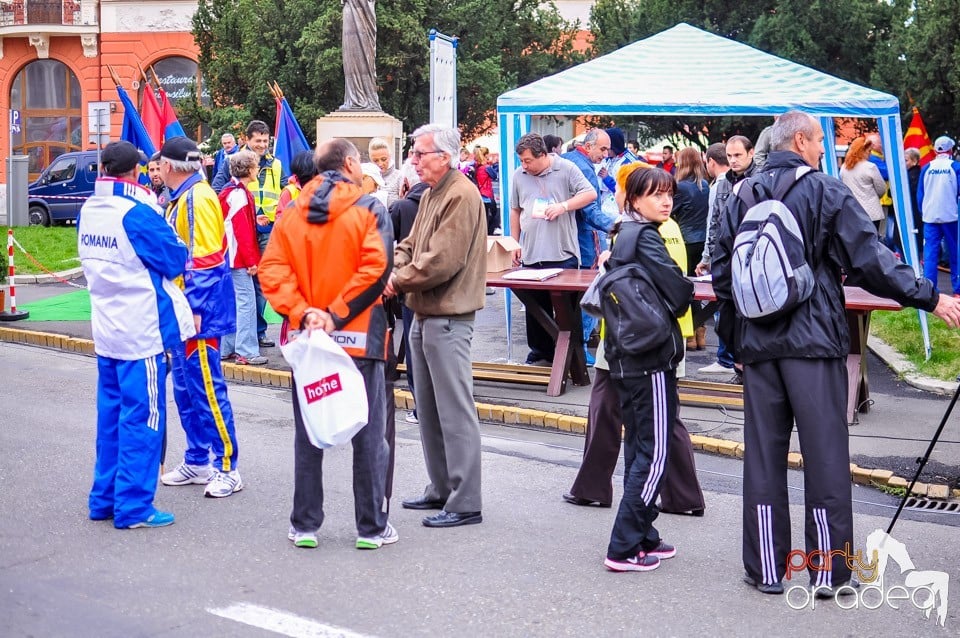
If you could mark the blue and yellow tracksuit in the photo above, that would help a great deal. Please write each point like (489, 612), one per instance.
(198, 385)
(129, 256)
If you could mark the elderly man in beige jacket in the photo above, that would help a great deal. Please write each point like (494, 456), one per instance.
(441, 267)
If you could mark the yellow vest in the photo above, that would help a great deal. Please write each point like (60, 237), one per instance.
(673, 240)
(267, 197)
(670, 231)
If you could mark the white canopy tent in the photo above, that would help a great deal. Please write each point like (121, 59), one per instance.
(687, 71)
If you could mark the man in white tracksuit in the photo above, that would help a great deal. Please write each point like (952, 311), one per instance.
(937, 193)
(129, 256)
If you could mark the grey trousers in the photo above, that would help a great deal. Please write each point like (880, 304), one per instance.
(449, 429)
(370, 455)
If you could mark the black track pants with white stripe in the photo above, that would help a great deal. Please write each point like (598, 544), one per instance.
(649, 408)
(814, 393)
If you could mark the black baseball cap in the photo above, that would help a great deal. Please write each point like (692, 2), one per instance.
(180, 149)
(119, 158)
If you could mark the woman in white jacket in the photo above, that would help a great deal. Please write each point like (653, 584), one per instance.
(863, 178)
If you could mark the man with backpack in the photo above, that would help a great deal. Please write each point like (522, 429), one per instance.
(795, 363)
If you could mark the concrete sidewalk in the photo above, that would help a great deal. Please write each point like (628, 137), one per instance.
(882, 448)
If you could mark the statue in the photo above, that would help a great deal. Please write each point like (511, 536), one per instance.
(359, 56)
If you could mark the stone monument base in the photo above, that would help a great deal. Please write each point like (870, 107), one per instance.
(360, 127)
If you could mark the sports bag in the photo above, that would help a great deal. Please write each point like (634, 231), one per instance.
(770, 273)
(636, 318)
(330, 390)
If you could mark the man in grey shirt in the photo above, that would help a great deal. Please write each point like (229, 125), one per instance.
(545, 193)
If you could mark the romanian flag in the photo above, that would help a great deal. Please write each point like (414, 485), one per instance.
(135, 132)
(288, 137)
(150, 113)
(171, 125)
(916, 137)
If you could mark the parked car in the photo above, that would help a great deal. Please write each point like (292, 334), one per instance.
(62, 188)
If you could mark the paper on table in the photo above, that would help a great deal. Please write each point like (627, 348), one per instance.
(533, 274)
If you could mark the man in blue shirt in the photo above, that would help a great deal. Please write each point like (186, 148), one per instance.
(593, 223)
(229, 146)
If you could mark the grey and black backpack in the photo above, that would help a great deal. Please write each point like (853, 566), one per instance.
(771, 276)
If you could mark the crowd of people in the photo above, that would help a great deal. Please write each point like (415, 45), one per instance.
(345, 246)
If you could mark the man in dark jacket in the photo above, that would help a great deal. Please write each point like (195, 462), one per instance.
(742, 166)
(403, 212)
(795, 367)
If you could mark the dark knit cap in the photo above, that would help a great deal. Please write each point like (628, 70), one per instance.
(617, 140)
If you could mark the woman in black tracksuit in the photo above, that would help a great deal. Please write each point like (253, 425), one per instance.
(646, 382)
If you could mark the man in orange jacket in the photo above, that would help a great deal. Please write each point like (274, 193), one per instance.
(325, 269)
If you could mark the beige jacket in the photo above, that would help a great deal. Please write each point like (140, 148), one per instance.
(867, 185)
(442, 263)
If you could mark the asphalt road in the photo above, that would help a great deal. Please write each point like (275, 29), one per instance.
(533, 568)
(897, 429)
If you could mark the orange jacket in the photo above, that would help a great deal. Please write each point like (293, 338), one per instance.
(333, 249)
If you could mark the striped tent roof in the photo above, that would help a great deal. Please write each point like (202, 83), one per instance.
(686, 71)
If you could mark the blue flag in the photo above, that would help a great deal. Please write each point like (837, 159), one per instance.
(288, 136)
(135, 132)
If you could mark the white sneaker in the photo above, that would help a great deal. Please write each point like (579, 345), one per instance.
(185, 474)
(715, 368)
(388, 536)
(224, 484)
(411, 418)
(302, 539)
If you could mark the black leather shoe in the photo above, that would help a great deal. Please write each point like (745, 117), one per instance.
(576, 500)
(266, 343)
(452, 519)
(422, 503)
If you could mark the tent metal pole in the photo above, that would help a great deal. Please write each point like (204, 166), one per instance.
(891, 134)
(830, 165)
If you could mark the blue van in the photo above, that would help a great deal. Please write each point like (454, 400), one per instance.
(62, 188)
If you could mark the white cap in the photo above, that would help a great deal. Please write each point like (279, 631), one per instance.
(373, 171)
(943, 144)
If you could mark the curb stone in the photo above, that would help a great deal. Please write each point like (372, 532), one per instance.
(507, 415)
(906, 370)
(73, 273)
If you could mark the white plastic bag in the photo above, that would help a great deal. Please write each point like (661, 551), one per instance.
(330, 389)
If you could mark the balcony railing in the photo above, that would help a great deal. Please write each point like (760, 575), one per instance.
(48, 12)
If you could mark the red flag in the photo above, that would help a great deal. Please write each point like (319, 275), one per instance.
(171, 125)
(916, 137)
(150, 114)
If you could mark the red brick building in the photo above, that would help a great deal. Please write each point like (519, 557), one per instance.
(54, 56)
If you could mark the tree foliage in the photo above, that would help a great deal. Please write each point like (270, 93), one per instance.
(244, 44)
(804, 31)
(921, 62)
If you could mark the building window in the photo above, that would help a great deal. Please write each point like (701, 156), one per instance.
(177, 74)
(47, 94)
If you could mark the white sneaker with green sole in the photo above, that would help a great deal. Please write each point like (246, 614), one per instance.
(388, 536)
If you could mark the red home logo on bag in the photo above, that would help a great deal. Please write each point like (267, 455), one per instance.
(323, 388)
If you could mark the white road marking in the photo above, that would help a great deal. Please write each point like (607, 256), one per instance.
(282, 622)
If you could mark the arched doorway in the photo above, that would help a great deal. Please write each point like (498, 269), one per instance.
(177, 75)
(48, 96)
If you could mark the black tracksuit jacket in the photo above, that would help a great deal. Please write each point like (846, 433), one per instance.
(840, 240)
